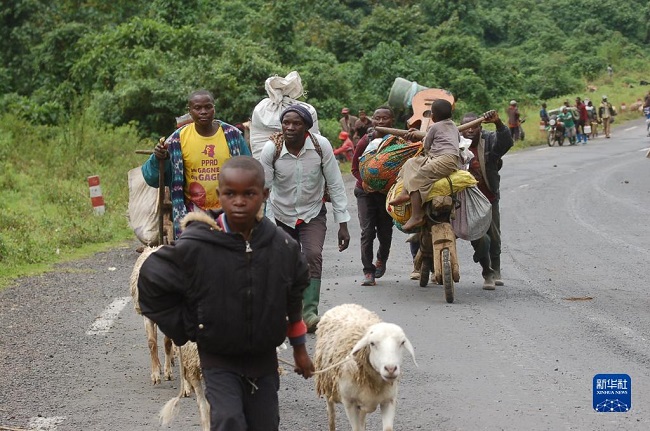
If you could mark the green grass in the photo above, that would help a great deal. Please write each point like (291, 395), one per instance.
(46, 214)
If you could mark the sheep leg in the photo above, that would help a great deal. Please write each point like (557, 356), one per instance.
(169, 359)
(388, 409)
(355, 415)
(186, 385)
(362, 419)
(152, 341)
(331, 415)
(202, 401)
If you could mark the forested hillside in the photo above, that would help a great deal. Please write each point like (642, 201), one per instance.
(135, 60)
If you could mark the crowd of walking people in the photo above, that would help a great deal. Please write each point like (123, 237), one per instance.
(266, 217)
(584, 120)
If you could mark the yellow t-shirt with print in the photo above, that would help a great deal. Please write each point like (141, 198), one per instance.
(202, 160)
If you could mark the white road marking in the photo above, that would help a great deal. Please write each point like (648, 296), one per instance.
(44, 424)
(644, 149)
(542, 149)
(630, 128)
(105, 321)
(523, 186)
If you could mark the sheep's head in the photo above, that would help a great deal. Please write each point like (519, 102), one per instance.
(386, 343)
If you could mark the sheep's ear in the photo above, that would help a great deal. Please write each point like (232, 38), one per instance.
(409, 347)
(363, 342)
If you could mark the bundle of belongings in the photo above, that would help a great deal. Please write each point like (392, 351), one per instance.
(448, 186)
(472, 212)
(382, 161)
(265, 121)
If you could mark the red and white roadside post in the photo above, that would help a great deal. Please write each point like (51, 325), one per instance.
(96, 195)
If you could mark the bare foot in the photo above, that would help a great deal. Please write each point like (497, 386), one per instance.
(414, 222)
(401, 198)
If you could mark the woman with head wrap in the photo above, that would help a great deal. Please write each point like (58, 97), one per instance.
(299, 166)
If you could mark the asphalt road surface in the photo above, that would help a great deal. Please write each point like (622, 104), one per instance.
(576, 251)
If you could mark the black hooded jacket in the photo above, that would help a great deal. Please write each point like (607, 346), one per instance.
(233, 297)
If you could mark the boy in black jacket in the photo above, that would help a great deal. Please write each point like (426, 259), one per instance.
(233, 284)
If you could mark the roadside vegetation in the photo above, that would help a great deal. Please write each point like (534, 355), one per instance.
(84, 84)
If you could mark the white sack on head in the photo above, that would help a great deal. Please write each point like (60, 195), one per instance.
(282, 92)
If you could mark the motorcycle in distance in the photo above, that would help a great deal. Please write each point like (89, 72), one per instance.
(555, 132)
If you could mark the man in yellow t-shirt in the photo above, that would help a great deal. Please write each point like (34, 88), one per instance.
(193, 156)
(203, 157)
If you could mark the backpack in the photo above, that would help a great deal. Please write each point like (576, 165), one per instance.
(278, 141)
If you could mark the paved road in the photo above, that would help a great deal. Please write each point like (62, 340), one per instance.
(522, 357)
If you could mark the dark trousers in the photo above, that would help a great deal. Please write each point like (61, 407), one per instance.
(514, 132)
(375, 222)
(237, 405)
(489, 245)
(311, 237)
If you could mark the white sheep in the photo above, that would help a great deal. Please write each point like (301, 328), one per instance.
(369, 352)
(191, 376)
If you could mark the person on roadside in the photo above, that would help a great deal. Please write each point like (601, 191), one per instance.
(646, 112)
(193, 156)
(543, 115)
(605, 113)
(345, 151)
(592, 114)
(300, 168)
(374, 220)
(193, 291)
(488, 148)
(347, 122)
(514, 120)
(361, 126)
(567, 119)
(582, 121)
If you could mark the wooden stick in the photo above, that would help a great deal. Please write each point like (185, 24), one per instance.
(161, 196)
(420, 135)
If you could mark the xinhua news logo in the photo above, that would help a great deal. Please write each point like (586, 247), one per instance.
(612, 393)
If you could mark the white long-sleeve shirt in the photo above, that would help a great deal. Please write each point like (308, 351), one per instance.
(297, 182)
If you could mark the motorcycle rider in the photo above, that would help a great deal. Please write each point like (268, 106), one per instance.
(566, 118)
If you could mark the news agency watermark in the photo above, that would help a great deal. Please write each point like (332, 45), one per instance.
(612, 393)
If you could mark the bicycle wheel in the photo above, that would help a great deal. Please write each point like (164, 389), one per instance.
(447, 277)
(425, 271)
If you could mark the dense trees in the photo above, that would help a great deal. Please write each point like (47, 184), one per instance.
(134, 60)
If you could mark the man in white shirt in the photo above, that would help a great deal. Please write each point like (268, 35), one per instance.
(299, 168)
